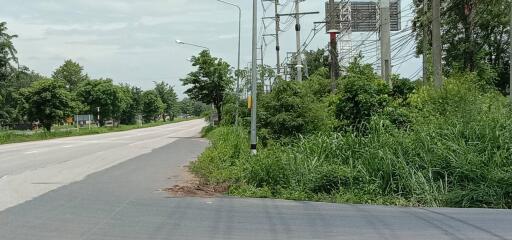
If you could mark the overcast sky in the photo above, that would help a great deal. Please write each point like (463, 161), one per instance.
(133, 41)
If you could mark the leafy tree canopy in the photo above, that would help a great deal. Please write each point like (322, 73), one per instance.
(49, 102)
(210, 82)
(71, 73)
(169, 99)
(152, 105)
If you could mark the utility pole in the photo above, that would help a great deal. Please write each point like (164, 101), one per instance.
(262, 68)
(385, 41)
(333, 22)
(278, 47)
(98, 108)
(436, 43)
(510, 56)
(238, 66)
(297, 33)
(297, 15)
(425, 41)
(254, 75)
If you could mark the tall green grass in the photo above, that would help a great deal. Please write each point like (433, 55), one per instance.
(456, 152)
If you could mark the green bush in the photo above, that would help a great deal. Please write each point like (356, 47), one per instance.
(361, 95)
(456, 151)
(290, 110)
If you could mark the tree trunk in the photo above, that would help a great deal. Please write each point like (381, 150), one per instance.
(47, 126)
(218, 107)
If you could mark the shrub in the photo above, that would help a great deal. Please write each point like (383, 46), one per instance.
(455, 152)
(290, 110)
(361, 96)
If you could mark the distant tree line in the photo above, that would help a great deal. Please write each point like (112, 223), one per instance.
(27, 97)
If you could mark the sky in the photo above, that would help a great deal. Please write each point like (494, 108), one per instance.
(133, 41)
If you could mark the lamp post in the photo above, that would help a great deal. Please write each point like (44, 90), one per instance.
(238, 67)
(254, 74)
(191, 44)
(207, 49)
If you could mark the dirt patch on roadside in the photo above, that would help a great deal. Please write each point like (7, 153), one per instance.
(191, 186)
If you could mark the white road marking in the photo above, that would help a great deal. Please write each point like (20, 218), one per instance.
(31, 152)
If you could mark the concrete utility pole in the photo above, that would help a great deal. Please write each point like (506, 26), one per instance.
(254, 75)
(98, 108)
(385, 41)
(333, 34)
(278, 47)
(425, 41)
(510, 56)
(436, 43)
(262, 68)
(297, 33)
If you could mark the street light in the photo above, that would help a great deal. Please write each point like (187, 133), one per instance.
(191, 44)
(238, 67)
(199, 46)
(254, 74)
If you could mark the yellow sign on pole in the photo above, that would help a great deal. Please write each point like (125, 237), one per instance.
(249, 102)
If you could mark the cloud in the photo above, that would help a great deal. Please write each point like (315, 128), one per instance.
(227, 36)
(132, 41)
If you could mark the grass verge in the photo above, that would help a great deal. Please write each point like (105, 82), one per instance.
(7, 137)
(456, 152)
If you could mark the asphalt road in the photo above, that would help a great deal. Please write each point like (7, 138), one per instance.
(121, 199)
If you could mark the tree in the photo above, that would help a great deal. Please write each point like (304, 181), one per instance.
(111, 99)
(475, 37)
(7, 56)
(49, 102)
(7, 53)
(134, 108)
(13, 107)
(152, 106)
(361, 95)
(71, 73)
(313, 61)
(169, 99)
(290, 110)
(210, 82)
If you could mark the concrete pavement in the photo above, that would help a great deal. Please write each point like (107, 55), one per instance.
(123, 201)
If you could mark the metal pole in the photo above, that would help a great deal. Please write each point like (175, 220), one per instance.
(262, 68)
(297, 33)
(278, 47)
(425, 41)
(385, 41)
(510, 56)
(333, 33)
(254, 75)
(238, 65)
(98, 108)
(436, 43)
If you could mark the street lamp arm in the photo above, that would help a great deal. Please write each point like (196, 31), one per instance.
(199, 46)
(191, 44)
(232, 4)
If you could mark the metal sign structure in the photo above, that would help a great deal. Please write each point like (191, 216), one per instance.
(333, 12)
(365, 16)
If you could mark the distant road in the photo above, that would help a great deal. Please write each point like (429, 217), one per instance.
(107, 187)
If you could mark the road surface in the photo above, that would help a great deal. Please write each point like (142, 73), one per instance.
(108, 187)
